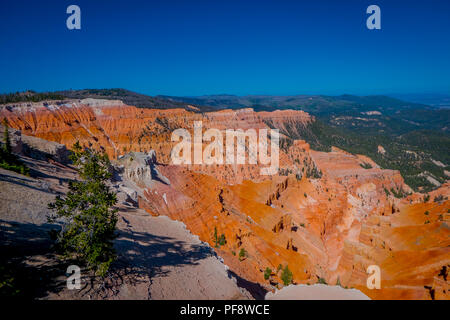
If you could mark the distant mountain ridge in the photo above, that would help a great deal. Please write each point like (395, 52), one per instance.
(309, 103)
(436, 100)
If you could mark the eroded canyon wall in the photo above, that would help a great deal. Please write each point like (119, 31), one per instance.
(323, 214)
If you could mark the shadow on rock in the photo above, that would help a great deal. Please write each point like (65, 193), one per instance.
(28, 266)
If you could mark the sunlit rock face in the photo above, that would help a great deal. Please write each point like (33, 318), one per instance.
(323, 214)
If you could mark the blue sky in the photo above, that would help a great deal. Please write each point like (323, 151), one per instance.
(236, 47)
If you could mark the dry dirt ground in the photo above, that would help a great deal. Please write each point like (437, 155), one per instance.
(157, 257)
(316, 292)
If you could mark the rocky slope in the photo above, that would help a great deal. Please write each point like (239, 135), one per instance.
(327, 216)
(157, 257)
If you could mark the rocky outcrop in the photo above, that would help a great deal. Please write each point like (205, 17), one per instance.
(141, 168)
(36, 148)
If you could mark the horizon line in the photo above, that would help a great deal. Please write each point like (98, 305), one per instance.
(389, 94)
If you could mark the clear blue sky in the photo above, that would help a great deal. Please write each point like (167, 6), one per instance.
(237, 47)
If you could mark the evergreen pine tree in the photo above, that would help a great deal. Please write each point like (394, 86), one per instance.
(267, 273)
(89, 221)
(286, 276)
(216, 240)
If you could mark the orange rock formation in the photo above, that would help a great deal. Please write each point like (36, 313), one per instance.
(323, 215)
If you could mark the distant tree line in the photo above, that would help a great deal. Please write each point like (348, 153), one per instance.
(28, 96)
